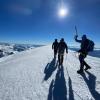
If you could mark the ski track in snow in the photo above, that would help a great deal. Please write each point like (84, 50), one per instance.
(25, 76)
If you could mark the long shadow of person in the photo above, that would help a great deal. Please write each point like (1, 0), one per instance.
(58, 89)
(91, 83)
(50, 95)
(49, 69)
(71, 95)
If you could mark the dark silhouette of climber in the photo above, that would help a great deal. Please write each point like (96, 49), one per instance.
(61, 49)
(55, 47)
(83, 53)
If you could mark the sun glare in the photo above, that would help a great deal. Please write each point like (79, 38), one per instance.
(63, 12)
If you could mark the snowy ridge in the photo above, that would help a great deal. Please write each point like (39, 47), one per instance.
(34, 75)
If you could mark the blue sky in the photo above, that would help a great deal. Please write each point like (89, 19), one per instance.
(37, 22)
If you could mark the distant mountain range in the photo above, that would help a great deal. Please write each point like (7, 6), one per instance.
(11, 48)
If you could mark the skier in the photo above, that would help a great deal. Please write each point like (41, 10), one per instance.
(83, 52)
(55, 47)
(61, 48)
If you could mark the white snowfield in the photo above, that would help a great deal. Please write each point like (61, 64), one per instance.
(34, 75)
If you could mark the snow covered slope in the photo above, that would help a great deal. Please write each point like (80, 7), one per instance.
(33, 75)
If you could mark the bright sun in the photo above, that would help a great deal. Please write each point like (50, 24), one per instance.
(63, 12)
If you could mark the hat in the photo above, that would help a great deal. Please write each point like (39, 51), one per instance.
(62, 39)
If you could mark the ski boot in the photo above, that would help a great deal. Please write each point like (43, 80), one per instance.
(87, 68)
(80, 71)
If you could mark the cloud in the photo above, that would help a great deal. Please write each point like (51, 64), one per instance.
(19, 9)
(25, 7)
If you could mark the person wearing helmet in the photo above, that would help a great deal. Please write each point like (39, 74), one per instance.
(55, 47)
(83, 53)
(61, 49)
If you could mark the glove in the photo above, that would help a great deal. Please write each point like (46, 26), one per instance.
(79, 51)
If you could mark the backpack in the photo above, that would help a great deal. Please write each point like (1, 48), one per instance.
(90, 46)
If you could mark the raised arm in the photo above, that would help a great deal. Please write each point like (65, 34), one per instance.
(77, 39)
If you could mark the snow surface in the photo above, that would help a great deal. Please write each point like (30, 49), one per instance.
(34, 75)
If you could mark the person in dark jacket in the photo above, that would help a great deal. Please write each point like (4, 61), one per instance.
(55, 47)
(83, 53)
(61, 49)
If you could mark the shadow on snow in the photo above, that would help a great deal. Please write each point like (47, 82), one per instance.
(58, 89)
(91, 83)
(71, 95)
(49, 69)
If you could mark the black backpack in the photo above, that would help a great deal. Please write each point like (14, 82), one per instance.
(90, 46)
